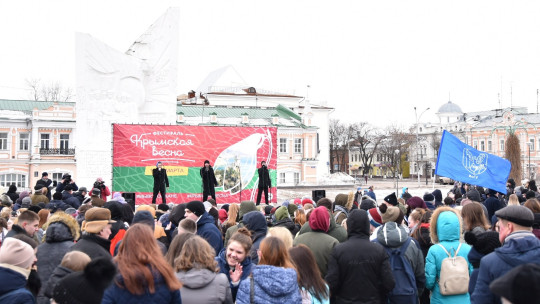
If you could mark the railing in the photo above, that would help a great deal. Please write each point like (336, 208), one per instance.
(57, 151)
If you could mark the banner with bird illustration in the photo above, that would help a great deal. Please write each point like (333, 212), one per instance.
(463, 163)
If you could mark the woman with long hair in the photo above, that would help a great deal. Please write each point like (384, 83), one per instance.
(423, 239)
(232, 219)
(513, 200)
(43, 217)
(281, 233)
(313, 287)
(176, 247)
(274, 279)
(234, 260)
(534, 206)
(474, 219)
(299, 218)
(143, 274)
(199, 272)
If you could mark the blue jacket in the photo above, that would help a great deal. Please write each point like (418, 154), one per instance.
(247, 266)
(71, 200)
(519, 248)
(448, 233)
(256, 223)
(272, 285)
(372, 195)
(207, 229)
(11, 281)
(162, 294)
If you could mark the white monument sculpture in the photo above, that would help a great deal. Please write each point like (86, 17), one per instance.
(138, 86)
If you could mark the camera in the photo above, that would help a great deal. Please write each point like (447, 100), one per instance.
(66, 178)
(99, 185)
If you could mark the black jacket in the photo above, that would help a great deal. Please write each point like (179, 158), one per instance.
(160, 177)
(264, 178)
(359, 260)
(289, 224)
(208, 178)
(48, 184)
(93, 245)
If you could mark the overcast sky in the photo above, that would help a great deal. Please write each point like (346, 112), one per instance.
(371, 60)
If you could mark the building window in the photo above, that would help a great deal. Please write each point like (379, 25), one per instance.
(475, 145)
(3, 141)
(24, 141)
(7, 180)
(532, 143)
(489, 145)
(64, 143)
(297, 145)
(502, 145)
(482, 146)
(57, 176)
(44, 141)
(282, 178)
(283, 145)
(296, 178)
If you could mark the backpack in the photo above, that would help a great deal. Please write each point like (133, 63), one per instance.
(454, 276)
(405, 290)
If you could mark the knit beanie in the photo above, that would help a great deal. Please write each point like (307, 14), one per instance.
(292, 209)
(26, 202)
(341, 200)
(245, 207)
(416, 202)
(177, 214)
(520, 285)
(282, 213)
(485, 242)
(222, 215)
(148, 208)
(319, 219)
(298, 201)
(144, 217)
(17, 253)
(86, 286)
(268, 209)
(306, 201)
(196, 207)
(225, 207)
(428, 197)
(473, 195)
(375, 218)
(391, 199)
(391, 214)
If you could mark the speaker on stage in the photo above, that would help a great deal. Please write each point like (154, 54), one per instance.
(130, 199)
(318, 194)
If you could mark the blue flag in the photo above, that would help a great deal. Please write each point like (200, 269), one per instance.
(463, 163)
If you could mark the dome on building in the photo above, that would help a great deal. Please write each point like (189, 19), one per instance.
(449, 108)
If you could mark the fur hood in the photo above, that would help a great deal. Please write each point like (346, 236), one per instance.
(452, 230)
(65, 219)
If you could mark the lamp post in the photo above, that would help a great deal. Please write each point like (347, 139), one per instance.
(417, 142)
(397, 172)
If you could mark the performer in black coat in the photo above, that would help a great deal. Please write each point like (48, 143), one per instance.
(160, 182)
(208, 180)
(264, 182)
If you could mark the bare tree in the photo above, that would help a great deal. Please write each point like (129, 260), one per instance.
(367, 138)
(395, 139)
(51, 92)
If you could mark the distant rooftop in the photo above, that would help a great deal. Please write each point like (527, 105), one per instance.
(449, 108)
(28, 106)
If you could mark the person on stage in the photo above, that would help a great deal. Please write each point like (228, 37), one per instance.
(264, 182)
(208, 180)
(160, 182)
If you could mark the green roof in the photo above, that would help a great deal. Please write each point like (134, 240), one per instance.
(29, 105)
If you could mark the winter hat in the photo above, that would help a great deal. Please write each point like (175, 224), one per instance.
(268, 209)
(485, 242)
(428, 197)
(285, 203)
(70, 211)
(26, 202)
(520, 215)
(207, 207)
(83, 189)
(306, 201)
(416, 202)
(474, 195)
(96, 192)
(144, 217)
(391, 214)
(292, 209)
(44, 174)
(319, 219)
(298, 201)
(375, 218)
(245, 207)
(282, 213)
(222, 215)
(391, 199)
(86, 286)
(177, 214)
(57, 196)
(520, 285)
(225, 207)
(530, 194)
(68, 188)
(359, 189)
(95, 219)
(147, 208)
(196, 207)
(16, 253)
(163, 207)
(341, 199)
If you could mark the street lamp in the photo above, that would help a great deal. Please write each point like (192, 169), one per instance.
(417, 142)
(529, 144)
(397, 172)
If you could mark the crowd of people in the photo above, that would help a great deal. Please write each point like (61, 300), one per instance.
(472, 245)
